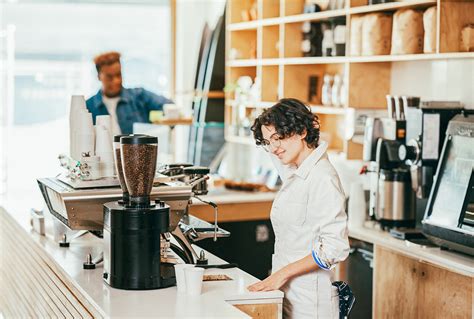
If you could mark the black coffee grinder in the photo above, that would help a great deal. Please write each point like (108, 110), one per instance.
(133, 229)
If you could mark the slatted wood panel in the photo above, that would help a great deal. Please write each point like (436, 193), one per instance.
(30, 284)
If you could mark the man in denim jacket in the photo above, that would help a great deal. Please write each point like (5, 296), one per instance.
(125, 106)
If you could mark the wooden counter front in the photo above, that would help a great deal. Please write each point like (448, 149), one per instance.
(408, 288)
(233, 212)
(234, 206)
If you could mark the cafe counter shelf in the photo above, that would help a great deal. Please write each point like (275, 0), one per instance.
(40, 279)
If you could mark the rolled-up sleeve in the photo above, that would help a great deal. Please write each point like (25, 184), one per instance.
(329, 222)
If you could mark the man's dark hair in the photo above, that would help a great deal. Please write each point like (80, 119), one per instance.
(107, 58)
(289, 117)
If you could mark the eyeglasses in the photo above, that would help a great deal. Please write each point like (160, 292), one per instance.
(273, 143)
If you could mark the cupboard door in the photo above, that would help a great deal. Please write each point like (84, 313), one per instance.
(445, 294)
(407, 288)
(396, 285)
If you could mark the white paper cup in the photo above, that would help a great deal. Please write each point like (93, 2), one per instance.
(103, 143)
(84, 143)
(80, 122)
(84, 121)
(78, 102)
(193, 277)
(180, 277)
(106, 122)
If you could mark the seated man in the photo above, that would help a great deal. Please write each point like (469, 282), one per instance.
(125, 106)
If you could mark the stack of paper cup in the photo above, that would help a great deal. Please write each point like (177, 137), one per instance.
(180, 278)
(84, 137)
(78, 104)
(104, 149)
(105, 121)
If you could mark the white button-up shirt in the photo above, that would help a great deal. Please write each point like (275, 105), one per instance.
(309, 211)
(308, 214)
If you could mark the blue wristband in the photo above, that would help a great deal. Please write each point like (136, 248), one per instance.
(318, 261)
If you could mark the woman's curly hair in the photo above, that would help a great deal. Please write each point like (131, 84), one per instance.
(289, 117)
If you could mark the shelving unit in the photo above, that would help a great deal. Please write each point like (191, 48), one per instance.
(352, 59)
(282, 70)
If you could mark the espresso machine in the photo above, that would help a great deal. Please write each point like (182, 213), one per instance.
(403, 151)
(77, 205)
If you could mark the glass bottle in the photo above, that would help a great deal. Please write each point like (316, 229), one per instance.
(343, 92)
(336, 91)
(326, 96)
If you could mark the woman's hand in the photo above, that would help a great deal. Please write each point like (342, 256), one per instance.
(273, 282)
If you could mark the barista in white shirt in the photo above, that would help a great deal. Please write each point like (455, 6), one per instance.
(308, 214)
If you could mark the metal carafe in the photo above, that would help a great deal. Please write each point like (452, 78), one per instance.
(395, 205)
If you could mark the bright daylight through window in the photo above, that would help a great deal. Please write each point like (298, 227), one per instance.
(46, 52)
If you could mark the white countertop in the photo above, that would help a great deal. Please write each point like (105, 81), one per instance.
(221, 195)
(215, 300)
(452, 261)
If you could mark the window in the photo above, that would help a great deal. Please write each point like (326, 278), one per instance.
(46, 53)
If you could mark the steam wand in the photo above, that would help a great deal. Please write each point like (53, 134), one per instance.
(216, 227)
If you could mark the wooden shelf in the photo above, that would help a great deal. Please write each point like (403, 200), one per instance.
(317, 16)
(351, 59)
(173, 122)
(287, 61)
(410, 57)
(243, 63)
(321, 109)
(283, 71)
(314, 60)
(247, 140)
(248, 25)
(328, 14)
(262, 105)
(391, 6)
(215, 95)
(210, 94)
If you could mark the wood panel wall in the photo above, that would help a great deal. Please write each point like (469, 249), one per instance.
(30, 286)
